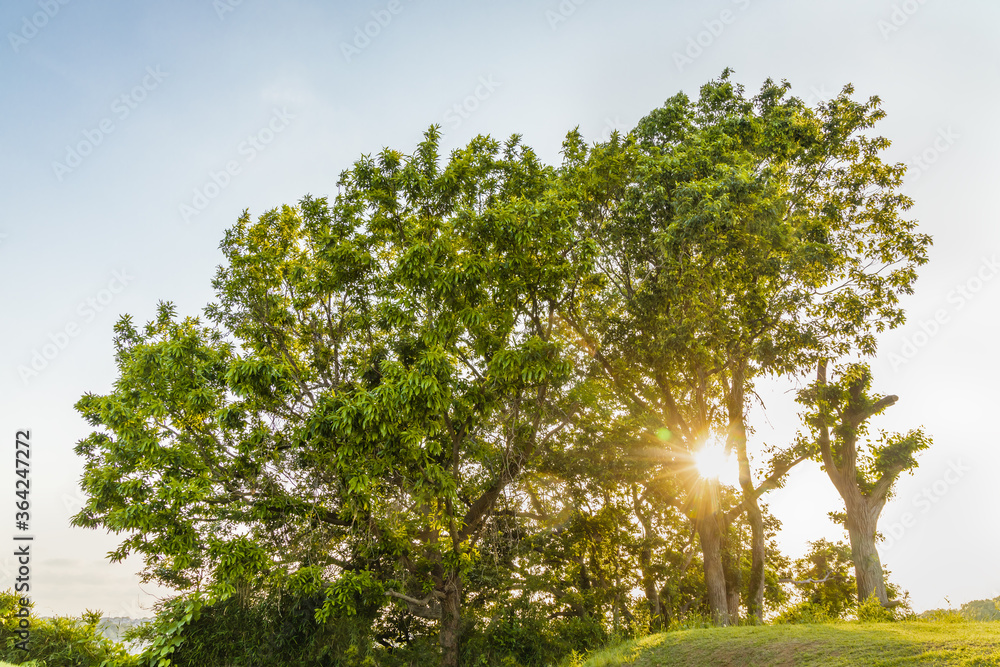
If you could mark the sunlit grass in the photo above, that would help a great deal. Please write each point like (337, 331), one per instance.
(906, 643)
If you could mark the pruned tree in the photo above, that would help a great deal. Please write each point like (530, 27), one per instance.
(863, 470)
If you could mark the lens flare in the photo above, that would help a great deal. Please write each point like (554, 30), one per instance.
(711, 461)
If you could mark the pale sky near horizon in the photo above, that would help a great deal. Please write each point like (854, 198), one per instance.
(121, 119)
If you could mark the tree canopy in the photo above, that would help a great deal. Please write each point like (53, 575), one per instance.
(462, 399)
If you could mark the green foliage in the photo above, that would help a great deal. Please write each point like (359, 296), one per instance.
(740, 236)
(691, 621)
(943, 616)
(827, 573)
(982, 610)
(524, 637)
(805, 611)
(58, 642)
(279, 628)
(452, 410)
(168, 632)
(872, 611)
(374, 375)
(826, 589)
(349, 592)
(974, 611)
(878, 461)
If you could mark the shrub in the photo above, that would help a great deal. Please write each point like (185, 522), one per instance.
(524, 637)
(872, 611)
(690, 621)
(805, 612)
(278, 629)
(58, 642)
(942, 616)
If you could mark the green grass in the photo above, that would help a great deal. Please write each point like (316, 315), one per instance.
(827, 645)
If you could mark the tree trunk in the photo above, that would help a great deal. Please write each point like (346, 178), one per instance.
(451, 620)
(737, 439)
(755, 597)
(650, 589)
(734, 574)
(861, 526)
(715, 576)
(733, 602)
(649, 583)
(863, 509)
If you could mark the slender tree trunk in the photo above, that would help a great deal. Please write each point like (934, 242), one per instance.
(651, 590)
(649, 583)
(861, 526)
(738, 441)
(755, 597)
(451, 620)
(715, 576)
(733, 572)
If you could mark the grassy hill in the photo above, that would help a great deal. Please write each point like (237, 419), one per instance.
(827, 645)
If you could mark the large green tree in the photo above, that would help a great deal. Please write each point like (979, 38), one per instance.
(476, 382)
(375, 375)
(740, 237)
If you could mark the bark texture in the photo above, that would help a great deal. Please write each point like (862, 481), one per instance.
(451, 621)
(867, 566)
(711, 538)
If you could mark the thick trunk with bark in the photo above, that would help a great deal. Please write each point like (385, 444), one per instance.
(715, 575)
(451, 620)
(733, 601)
(863, 508)
(861, 527)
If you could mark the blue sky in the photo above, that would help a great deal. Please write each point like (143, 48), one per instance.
(158, 100)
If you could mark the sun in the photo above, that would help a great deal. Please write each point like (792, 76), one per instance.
(711, 461)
